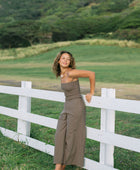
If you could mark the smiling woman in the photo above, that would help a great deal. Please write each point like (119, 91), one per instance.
(65, 61)
(61, 57)
(71, 128)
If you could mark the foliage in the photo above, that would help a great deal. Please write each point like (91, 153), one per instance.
(12, 10)
(21, 34)
(24, 23)
(113, 6)
(130, 34)
(18, 34)
(77, 28)
(131, 20)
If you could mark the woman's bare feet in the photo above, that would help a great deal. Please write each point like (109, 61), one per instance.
(58, 167)
(63, 167)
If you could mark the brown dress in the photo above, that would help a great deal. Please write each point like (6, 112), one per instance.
(71, 130)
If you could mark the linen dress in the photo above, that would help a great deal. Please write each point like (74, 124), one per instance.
(71, 129)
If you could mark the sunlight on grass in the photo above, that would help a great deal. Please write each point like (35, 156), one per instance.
(41, 48)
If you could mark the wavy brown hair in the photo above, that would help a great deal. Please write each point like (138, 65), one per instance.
(56, 65)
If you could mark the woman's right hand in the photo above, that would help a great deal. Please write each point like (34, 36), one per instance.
(88, 97)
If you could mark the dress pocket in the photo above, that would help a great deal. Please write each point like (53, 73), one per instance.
(63, 116)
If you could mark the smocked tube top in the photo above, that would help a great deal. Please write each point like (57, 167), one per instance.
(71, 90)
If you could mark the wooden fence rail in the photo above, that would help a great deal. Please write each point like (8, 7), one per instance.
(105, 135)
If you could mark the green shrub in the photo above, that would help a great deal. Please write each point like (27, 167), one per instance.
(131, 20)
(77, 28)
(114, 6)
(127, 34)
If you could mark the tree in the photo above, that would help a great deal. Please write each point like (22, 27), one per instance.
(19, 34)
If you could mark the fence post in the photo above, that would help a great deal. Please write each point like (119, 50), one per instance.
(24, 105)
(107, 125)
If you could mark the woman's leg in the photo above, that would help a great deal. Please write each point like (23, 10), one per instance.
(63, 167)
(58, 167)
(60, 139)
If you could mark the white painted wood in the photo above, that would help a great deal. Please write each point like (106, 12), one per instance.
(49, 149)
(41, 94)
(130, 106)
(30, 117)
(106, 135)
(9, 133)
(121, 141)
(103, 120)
(93, 165)
(24, 105)
(36, 144)
(92, 133)
(107, 125)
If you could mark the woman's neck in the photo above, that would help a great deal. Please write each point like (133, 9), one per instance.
(63, 70)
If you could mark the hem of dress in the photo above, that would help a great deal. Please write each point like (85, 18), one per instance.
(75, 164)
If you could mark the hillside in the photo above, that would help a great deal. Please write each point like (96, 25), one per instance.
(23, 23)
(13, 10)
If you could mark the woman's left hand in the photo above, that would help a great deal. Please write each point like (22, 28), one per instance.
(88, 97)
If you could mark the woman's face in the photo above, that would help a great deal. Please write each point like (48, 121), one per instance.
(64, 60)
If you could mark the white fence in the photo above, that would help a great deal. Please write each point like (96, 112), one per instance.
(106, 135)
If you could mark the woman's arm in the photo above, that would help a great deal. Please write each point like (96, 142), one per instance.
(84, 73)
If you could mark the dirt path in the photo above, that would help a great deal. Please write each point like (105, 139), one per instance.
(124, 91)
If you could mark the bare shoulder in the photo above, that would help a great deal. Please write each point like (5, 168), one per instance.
(80, 73)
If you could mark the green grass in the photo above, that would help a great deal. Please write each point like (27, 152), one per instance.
(16, 155)
(94, 53)
(109, 74)
(119, 65)
(110, 63)
(15, 53)
(115, 74)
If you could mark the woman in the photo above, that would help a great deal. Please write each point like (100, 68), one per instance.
(71, 130)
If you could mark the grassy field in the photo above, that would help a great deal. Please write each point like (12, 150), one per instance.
(111, 64)
(115, 67)
(15, 53)
(17, 156)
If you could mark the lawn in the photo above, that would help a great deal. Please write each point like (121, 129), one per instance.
(112, 64)
(16, 155)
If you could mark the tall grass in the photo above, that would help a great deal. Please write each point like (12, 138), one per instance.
(15, 53)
